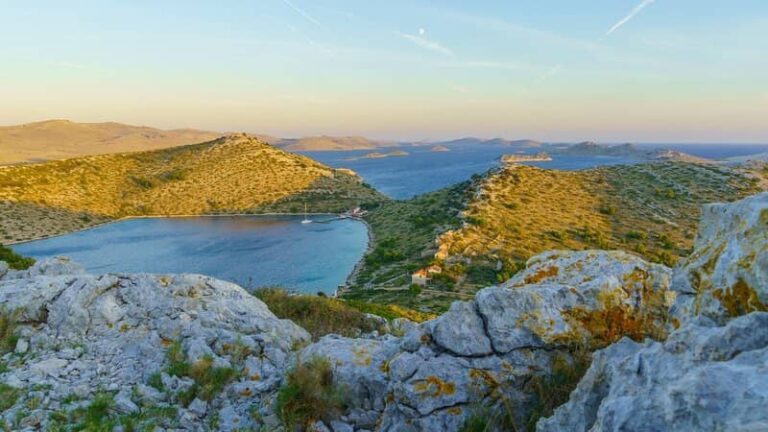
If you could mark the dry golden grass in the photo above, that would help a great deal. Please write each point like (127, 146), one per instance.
(236, 174)
(650, 209)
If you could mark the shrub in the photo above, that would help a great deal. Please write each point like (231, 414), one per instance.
(547, 393)
(636, 235)
(14, 260)
(608, 210)
(308, 395)
(143, 182)
(318, 315)
(209, 380)
(95, 416)
(8, 336)
(551, 391)
(8, 396)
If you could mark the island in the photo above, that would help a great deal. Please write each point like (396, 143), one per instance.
(439, 148)
(517, 158)
(379, 155)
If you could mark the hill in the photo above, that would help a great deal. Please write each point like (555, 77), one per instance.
(235, 174)
(62, 139)
(472, 141)
(328, 143)
(484, 231)
(590, 148)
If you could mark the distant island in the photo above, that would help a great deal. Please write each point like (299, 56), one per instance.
(515, 158)
(439, 148)
(590, 148)
(328, 143)
(379, 155)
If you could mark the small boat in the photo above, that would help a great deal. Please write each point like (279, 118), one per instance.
(306, 219)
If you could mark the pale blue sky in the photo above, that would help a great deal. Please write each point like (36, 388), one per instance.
(674, 70)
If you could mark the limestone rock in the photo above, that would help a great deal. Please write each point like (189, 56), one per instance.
(89, 333)
(586, 296)
(461, 331)
(727, 273)
(703, 378)
(439, 372)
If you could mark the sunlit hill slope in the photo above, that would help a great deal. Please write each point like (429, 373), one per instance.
(61, 139)
(235, 174)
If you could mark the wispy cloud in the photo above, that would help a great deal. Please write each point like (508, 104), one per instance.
(301, 12)
(495, 65)
(632, 13)
(426, 43)
(548, 74)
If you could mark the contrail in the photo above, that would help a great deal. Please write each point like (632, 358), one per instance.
(426, 44)
(301, 12)
(631, 15)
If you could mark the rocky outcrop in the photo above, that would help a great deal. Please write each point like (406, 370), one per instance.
(702, 378)
(82, 334)
(709, 374)
(151, 340)
(727, 273)
(483, 352)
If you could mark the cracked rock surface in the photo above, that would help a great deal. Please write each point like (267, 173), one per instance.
(85, 334)
(82, 334)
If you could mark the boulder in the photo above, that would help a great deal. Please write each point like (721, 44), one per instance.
(482, 353)
(726, 275)
(112, 332)
(702, 378)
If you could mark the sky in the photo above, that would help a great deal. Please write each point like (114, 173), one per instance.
(554, 70)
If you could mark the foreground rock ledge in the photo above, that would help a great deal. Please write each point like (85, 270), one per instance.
(82, 333)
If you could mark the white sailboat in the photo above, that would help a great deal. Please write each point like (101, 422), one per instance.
(306, 219)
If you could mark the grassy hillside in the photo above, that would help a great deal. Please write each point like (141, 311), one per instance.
(236, 174)
(62, 139)
(403, 237)
(517, 211)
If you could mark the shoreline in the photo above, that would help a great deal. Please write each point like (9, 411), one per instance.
(359, 265)
(185, 216)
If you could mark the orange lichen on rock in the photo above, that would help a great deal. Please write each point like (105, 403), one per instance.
(542, 274)
(433, 386)
(741, 299)
(362, 357)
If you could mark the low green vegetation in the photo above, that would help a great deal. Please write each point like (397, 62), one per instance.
(547, 392)
(552, 390)
(209, 380)
(8, 396)
(236, 174)
(8, 337)
(308, 395)
(99, 416)
(14, 260)
(321, 315)
(482, 232)
(403, 237)
(519, 211)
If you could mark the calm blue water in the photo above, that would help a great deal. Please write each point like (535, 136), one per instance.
(253, 251)
(424, 171)
(712, 151)
(262, 251)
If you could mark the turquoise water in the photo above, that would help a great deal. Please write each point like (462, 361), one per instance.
(262, 251)
(252, 251)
